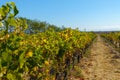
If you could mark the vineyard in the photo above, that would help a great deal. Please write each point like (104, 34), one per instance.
(113, 37)
(44, 55)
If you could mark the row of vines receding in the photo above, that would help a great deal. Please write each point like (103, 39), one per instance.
(47, 55)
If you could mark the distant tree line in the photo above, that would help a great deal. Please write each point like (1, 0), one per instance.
(35, 26)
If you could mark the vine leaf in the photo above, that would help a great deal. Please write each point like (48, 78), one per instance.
(14, 8)
(1, 24)
(22, 60)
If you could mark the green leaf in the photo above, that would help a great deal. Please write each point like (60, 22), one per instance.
(26, 68)
(6, 10)
(1, 24)
(14, 8)
(10, 76)
(5, 55)
(15, 11)
(22, 60)
(25, 24)
(12, 3)
(11, 21)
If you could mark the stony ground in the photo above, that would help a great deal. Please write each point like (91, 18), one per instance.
(103, 63)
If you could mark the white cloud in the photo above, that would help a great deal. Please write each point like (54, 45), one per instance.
(101, 28)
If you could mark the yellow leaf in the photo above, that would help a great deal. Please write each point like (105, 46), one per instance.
(46, 63)
(29, 54)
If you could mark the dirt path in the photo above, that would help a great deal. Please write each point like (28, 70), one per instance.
(103, 63)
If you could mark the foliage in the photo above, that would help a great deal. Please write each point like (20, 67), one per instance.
(33, 56)
(113, 37)
(35, 26)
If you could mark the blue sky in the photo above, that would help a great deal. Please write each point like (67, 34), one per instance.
(92, 15)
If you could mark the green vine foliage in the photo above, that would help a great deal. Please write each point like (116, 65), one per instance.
(32, 56)
(9, 60)
(8, 13)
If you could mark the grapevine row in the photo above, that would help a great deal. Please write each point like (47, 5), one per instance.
(113, 37)
(45, 55)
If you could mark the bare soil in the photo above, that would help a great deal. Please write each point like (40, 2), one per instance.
(103, 63)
